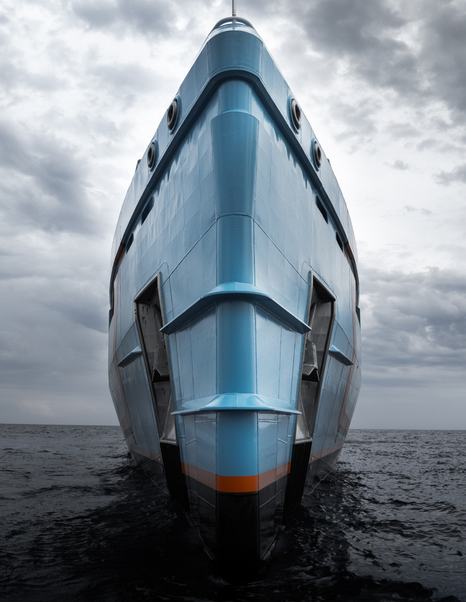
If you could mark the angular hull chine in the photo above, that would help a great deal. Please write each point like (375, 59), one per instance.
(234, 335)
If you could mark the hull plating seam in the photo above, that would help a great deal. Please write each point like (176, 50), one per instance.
(216, 80)
(234, 326)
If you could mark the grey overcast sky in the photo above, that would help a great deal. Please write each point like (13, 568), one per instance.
(83, 85)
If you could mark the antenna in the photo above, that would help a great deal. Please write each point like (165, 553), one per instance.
(233, 10)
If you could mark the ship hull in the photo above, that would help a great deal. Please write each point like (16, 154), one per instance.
(234, 323)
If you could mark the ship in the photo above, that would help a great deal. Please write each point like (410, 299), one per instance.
(234, 321)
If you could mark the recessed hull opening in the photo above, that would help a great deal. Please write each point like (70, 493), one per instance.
(316, 345)
(150, 321)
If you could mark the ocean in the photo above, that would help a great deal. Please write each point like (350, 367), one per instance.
(79, 521)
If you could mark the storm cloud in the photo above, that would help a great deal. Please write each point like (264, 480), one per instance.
(414, 320)
(45, 180)
(416, 51)
(383, 85)
(151, 17)
(458, 174)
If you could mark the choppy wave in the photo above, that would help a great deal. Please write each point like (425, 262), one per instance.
(80, 521)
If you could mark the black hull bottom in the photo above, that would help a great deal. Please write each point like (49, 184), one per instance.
(239, 530)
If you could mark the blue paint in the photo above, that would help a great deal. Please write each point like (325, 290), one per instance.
(236, 237)
(131, 356)
(228, 291)
(339, 355)
(236, 358)
(235, 249)
(236, 401)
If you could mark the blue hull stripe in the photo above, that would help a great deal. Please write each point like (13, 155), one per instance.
(240, 291)
(235, 402)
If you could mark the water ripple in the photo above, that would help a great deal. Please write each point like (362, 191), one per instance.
(79, 521)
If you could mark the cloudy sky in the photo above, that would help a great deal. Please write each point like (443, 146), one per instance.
(83, 85)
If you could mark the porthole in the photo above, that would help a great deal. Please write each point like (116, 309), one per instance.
(296, 114)
(316, 154)
(152, 153)
(172, 113)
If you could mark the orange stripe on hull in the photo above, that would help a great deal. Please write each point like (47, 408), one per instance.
(240, 484)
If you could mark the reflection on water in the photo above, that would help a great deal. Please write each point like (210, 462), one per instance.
(81, 522)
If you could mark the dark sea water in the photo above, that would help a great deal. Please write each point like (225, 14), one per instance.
(80, 522)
